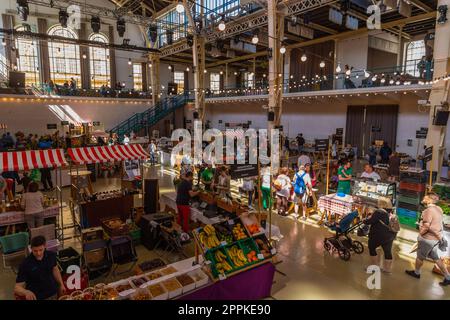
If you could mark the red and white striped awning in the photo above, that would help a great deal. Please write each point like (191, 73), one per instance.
(31, 159)
(107, 153)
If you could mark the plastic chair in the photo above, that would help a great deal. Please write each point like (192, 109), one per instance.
(14, 246)
(122, 252)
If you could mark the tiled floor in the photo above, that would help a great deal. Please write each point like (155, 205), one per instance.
(311, 273)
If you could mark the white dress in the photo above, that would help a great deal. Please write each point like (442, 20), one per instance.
(285, 186)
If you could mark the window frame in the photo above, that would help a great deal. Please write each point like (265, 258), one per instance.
(99, 56)
(29, 64)
(137, 76)
(179, 82)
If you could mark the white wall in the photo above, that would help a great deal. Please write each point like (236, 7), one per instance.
(33, 115)
(354, 52)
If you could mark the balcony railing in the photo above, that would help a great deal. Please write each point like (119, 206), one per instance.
(381, 77)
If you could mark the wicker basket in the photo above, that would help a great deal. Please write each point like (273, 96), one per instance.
(121, 230)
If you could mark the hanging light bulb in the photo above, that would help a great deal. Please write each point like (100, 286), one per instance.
(129, 61)
(235, 73)
(348, 72)
(169, 67)
(338, 68)
(187, 69)
(222, 25)
(322, 64)
(283, 50)
(397, 83)
(391, 81)
(84, 56)
(221, 72)
(366, 74)
(383, 80)
(357, 76)
(255, 39)
(180, 7)
(264, 75)
(204, 71)
(150, 65)
(303, 58)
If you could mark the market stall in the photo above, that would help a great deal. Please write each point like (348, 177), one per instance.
(19, 161)
(95, 207)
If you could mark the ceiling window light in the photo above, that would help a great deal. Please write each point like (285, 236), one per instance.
(255, 39)
(222, 25)
(179, 7)
(303, 58)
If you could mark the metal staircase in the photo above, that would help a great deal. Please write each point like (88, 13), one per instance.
(151, 116)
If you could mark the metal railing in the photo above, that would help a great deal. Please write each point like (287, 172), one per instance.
(151, 116)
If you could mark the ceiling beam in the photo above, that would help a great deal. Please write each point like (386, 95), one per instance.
(419, 4)
(343, 35)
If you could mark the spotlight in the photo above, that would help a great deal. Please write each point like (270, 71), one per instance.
(22, 9)
(121, 27)
(62, 18)
(95, 24)
(303, 58)
(169, 35)
(152, 32)
(189, 39)
(222, 25)
(442, 9)
(322, 64)
(180, 7)
(283, 50)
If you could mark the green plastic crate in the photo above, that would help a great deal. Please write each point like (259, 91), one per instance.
(210, 255)
(248, 245)
(407, 221)
(410, 200)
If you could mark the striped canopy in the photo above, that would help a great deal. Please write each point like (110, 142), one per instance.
(87, 155)
(31, 159)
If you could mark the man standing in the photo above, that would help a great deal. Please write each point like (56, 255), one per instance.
(184, 194)
(39, 277)
(300, 142)
(373, 154)
(430, 237)
(152, 152)
(345, 176)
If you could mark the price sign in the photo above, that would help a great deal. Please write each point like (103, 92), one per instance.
(260, 256)
(51, 126)
(339, 131)
(223, 243)
(376, 129)
(428, 154)
(64, 123)
(222, 276)
(321, 145)
(230, 222)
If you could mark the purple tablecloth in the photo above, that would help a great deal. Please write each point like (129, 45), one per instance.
(249, 285)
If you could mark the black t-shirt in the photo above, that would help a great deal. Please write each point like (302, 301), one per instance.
(378, 232)
(183, 196)
(38, 275)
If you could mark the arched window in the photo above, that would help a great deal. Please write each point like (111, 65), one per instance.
(99, 60)
(414, 53)
(64, 57)
(27, 60)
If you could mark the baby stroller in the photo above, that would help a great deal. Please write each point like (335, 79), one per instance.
(341, 242)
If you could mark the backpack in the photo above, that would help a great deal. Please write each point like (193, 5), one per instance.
(394, 224)
(300, 187)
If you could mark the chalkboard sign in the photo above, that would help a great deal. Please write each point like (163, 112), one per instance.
(96, 123)
(339, 131)
(52, 126)
(64, 123)
(376, 129)
(321, 145)
(428, 154)
(239, 171)
(131, 164)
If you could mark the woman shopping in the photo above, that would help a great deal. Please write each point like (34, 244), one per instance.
(265, 187)
(381, 235)
(223, 185)
(283, 187)
(345, 176)
(33, 204)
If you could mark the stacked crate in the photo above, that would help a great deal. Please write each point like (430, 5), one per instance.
(410, 194)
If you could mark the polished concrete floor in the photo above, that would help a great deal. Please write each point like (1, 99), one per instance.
(306, 270)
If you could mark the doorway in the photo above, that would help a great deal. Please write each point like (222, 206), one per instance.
(366, 123)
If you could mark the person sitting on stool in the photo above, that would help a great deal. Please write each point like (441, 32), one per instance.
(39, 277)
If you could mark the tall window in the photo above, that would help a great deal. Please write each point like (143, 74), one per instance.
(217, 6)
(415, 50)
(28, 60)
(249, 80)
(64, 57)
(214, 82)
(137, 76)
(178, 78)
(99, 60)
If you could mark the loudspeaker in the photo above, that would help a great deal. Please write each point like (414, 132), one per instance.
(195, 115)
(271, 116)
(441, 118)
(16, 79)
(151, 196)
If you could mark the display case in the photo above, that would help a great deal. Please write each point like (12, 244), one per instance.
(370, 191)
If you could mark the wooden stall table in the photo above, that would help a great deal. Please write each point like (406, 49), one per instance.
(93, 213)
(12, 218)
(333, 205)
(79, 180)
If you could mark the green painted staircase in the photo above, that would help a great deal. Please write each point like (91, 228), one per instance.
(151, 116)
